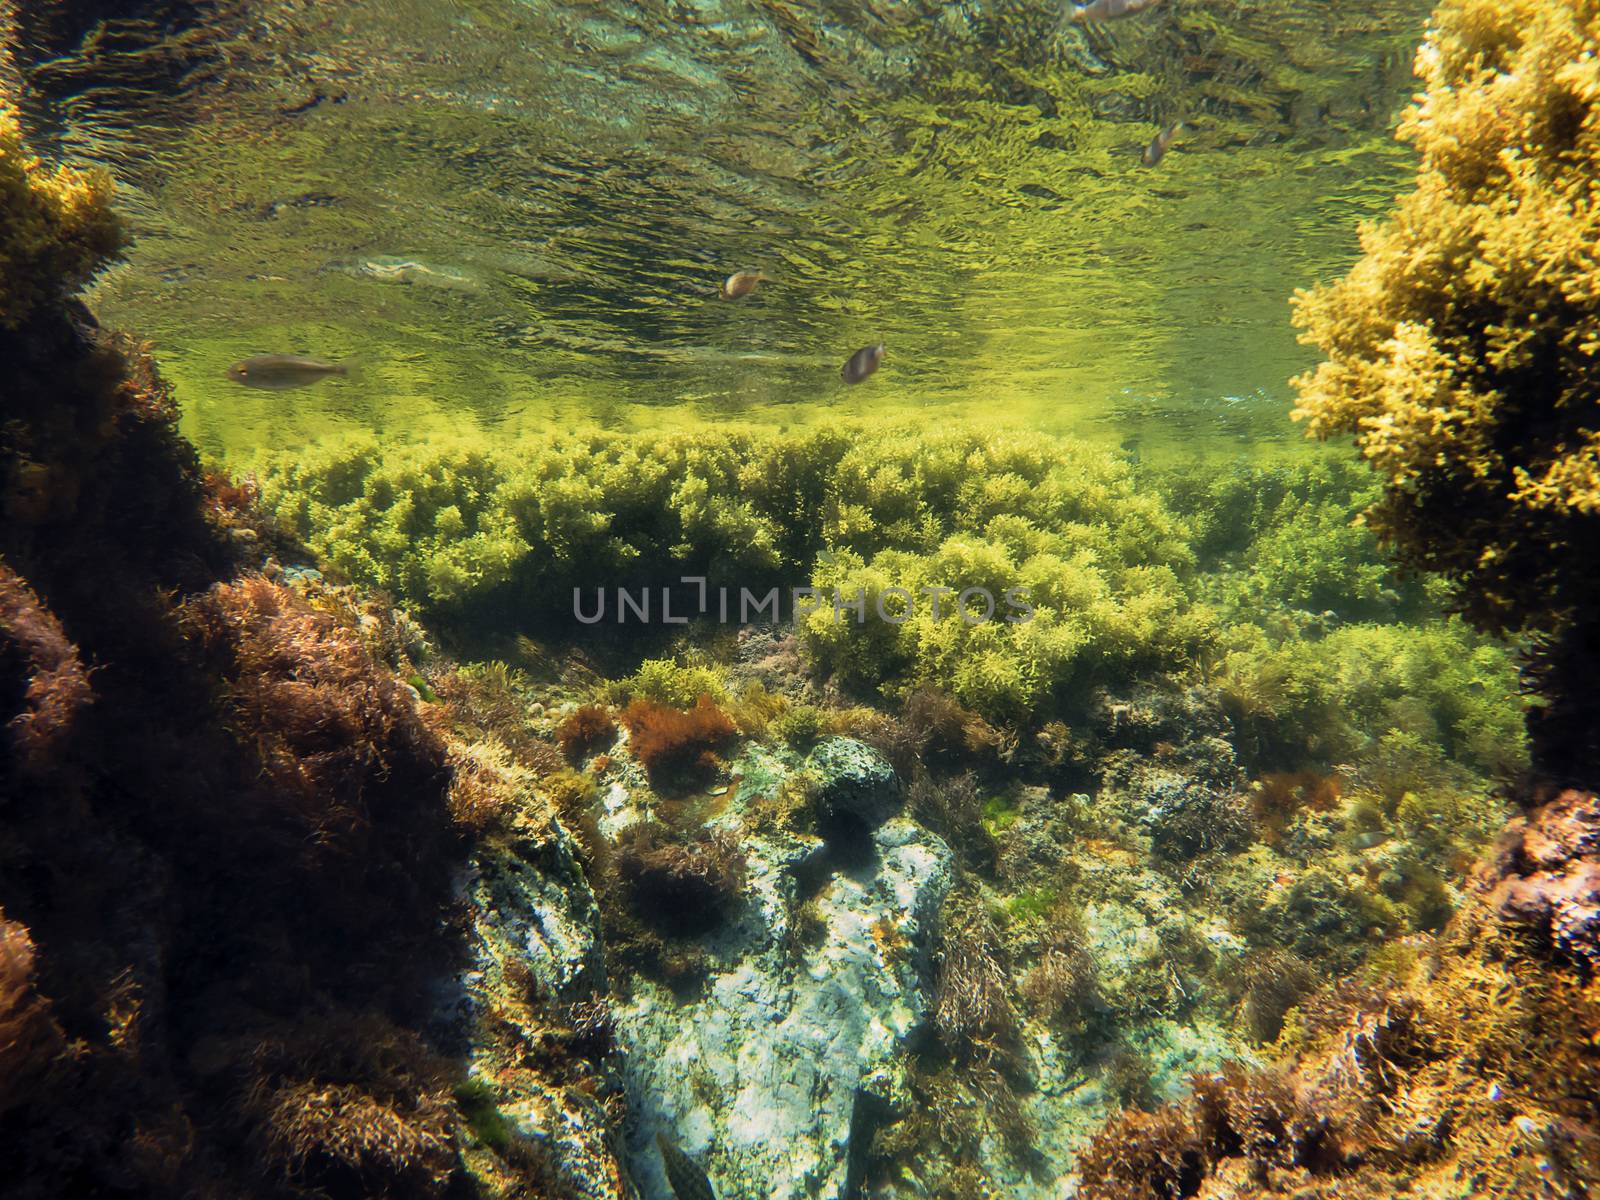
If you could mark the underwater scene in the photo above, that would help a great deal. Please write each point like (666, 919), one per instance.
(799, 599)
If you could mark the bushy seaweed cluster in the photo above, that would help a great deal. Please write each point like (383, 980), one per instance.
(1257, 574)
(58, 231)
(1461, 348)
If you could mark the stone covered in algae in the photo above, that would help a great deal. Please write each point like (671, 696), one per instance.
(58, 230)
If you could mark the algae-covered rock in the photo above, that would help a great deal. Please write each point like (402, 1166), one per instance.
(854, 782)
(536, 973)
(772, 1077)
(58, 228)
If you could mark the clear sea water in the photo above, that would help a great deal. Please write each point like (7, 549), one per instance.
(513, 215)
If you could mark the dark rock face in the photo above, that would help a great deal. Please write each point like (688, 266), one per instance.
(227, 854)
(1545, 876)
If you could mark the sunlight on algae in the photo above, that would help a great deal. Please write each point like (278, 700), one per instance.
(1286, 752)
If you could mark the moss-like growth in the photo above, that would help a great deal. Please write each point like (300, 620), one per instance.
(58, 228)
(1461, 348)
(479, 1104)
(799, 726)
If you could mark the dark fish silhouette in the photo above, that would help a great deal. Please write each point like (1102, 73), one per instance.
(741, 283)
(688, 1181)
(280, 372)
(1157, 149)
(1108, 10)
(862, 363)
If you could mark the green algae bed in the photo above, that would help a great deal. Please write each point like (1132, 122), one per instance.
(1240, 848)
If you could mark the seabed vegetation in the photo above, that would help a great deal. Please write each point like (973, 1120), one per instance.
(337, 859)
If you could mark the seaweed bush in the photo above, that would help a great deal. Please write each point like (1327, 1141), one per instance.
(30, 1038)
(1101, 563)
(351, 1105)
(590, 727)
(1299, 701)
(330, 727)
(972, 1010)
(1236, 572)
(36, 649)
(1461, 347)
(446, 524)
(682, 884)
(58, 229)
(671, 743)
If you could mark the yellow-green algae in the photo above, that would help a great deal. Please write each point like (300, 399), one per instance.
(1256, 580)
(1462, 348)
(59, 228)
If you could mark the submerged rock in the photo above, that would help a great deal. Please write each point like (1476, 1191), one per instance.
(854, 782)
(537, 968)
(770, 1079)
(1545, 876)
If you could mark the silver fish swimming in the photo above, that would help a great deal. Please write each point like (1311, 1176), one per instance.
(688, 1181)
(1157, 149)
(862, 363)
(1108, 10)
(280, 372)
(741, 283)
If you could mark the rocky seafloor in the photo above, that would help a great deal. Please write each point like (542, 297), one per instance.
(1231, 875)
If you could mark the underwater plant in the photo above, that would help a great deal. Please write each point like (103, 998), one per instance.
(1461, 346)
(30, 1038)
(34, 648)
(59, 228)
(671, 743)
(683, 884)
(353, 1104)
(954, 809)
(1296, 702)
(487, 784)
(972, 1010)
(1270, 983)
(333, 732)
(590, 727)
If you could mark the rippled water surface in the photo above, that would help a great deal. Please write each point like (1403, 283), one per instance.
(516, 214)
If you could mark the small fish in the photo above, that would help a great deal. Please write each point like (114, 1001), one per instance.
(280, 372)
(688, 1181)
(862, 363)
(740, 284)
(1369, 840)
(1157, 149)
(1108, 10)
